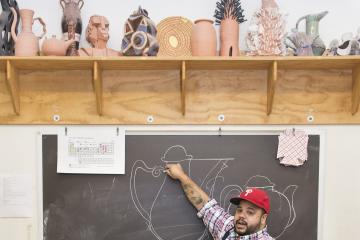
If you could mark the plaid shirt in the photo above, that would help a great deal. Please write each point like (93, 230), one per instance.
(218, 222)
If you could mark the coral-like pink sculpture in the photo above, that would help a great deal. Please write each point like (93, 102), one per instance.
(267, 31)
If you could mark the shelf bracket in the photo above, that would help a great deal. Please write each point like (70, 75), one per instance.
(183, 87)
(355, 90)
(271, 82)
(98, 86)
(12, 79)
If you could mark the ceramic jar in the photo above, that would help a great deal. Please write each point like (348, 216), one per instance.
(203, 38)
(229, 37)
(26, 43)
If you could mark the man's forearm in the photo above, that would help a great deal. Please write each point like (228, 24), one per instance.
(193, 192)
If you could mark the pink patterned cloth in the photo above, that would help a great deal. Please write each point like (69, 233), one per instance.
(292, 150)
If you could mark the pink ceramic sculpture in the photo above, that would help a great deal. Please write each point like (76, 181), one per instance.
(26, 43)
(97, 34)
(203, 38)
(266, 35)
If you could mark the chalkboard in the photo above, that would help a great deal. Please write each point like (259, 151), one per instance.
(146, 204)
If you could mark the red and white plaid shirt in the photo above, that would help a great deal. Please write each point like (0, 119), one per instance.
(218, 222)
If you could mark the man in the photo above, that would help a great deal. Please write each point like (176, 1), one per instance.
(249, 221)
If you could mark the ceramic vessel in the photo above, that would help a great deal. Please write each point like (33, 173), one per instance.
(312, 29)
(7, 43)
(55, 47)
(26, 43)
(140, 35)
(203, 38)
(71, 23)
(229, 37)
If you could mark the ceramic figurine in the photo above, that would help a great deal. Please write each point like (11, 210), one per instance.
(7, 43)
(300, 43)
(312, 29)
(349, 45)
(26, 43)
(229, 15)
(140, 35)
(267, 31)
(97, 34)
(71, 23)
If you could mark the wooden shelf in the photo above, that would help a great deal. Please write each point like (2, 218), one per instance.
(205, 76)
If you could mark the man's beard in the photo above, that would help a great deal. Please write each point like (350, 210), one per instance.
(249, 229)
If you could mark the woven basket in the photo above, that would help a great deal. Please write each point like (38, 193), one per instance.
(174, 36)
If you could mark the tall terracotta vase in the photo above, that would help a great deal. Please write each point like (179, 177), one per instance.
(26, 43)
(203, 38)
(71, 24)
(229, 37)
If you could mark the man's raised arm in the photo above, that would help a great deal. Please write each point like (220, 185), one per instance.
(193, 192)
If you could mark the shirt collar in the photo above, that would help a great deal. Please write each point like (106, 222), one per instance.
(254, 236)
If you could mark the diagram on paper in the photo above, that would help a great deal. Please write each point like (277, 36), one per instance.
(91, 154)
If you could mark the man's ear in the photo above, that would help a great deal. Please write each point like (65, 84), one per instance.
(263, 219)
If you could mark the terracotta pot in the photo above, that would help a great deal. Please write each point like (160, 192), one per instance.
(26, 43)
(229, 37)
(203, 38)
(56, 47)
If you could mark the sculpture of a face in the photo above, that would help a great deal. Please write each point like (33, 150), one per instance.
(97, 32)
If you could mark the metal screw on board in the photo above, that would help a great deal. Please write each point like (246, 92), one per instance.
(56, 118)
(221, 117)
(310, 116)
(150, 119)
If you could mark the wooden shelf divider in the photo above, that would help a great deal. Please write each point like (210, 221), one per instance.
(183, 87)
(355, 90)
(98, 86)
(271, 82)
(12, 79)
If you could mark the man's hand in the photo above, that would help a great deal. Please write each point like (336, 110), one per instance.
(175, 171)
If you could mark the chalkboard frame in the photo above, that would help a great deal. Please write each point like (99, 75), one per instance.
(190, 130)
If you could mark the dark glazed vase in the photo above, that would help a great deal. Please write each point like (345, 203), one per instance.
(7, 43)
(140, 35)
(71, 24)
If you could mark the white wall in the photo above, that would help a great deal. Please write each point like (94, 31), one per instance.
(342, 17)
(18, 144)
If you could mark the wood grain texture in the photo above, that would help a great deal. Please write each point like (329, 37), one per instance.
(183, 87)
(134, 89)
(271, 81)
(97, 81)
(355, 90)
(12, 80)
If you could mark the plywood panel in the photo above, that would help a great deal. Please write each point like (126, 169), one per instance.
(130, 96)
(6, 109)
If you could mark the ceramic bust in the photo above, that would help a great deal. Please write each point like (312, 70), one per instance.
(97, 34)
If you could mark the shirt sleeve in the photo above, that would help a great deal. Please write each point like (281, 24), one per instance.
(216, 219)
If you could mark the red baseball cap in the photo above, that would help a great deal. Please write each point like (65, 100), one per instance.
(255, 196)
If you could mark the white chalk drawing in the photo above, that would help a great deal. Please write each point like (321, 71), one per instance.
(212, 178)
